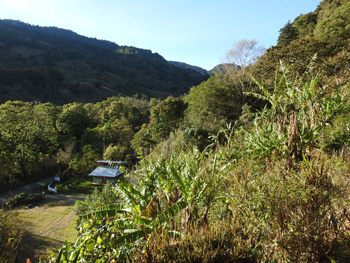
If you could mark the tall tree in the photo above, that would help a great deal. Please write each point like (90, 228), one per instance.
(167, 115)
(243, 54)
(287, 34)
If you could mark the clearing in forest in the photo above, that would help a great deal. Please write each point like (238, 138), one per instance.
(47, 225)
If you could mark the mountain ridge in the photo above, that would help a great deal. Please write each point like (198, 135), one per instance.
(60, 66)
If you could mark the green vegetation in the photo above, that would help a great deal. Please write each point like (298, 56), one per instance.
(262, 191)
(251, 165)
(271, 186)
(324, 32)
(10, 238)
(42, 139)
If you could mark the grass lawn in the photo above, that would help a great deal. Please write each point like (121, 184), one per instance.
(47, 225)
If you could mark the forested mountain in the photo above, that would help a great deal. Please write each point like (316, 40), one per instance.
(49, 64)
(251, 165)
(322, 36)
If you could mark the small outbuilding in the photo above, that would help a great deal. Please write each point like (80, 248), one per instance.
(107, 171)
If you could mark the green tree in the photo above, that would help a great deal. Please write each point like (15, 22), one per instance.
(119, 132)
(167, 116)
(117, 152)
(287, 34)
(73, 121)
(212, 104)
(93, 137)
(27, 134)
(85, 163)
(305, 24)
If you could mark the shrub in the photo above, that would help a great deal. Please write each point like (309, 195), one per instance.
(291, 214)
(9, 239)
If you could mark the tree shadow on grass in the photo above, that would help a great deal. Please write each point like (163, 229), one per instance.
(52, 200)
(34, 246)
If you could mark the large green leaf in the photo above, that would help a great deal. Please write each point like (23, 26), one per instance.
(129, 193)
(104, 212)
(178, 180)
(168, 214)
(59, 256)
(141, 221)
(132, 236)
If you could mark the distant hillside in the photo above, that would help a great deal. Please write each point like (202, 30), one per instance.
(219, 69)
(60, 66)
(223, 68)
(187, 66)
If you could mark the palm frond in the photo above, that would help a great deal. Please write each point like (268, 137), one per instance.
(263, 89)
(256, 95)
(148, 208)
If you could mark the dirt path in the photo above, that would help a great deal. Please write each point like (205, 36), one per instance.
(47, 225)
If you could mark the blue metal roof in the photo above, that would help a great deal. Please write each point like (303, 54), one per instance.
(110, 162)
(106, 171)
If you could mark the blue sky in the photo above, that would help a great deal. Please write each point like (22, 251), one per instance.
(197, 32)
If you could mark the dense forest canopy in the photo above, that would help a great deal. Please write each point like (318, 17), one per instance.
(37, 139)
(250, 165)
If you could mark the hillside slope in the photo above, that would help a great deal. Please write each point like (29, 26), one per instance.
(60, 66)
(322, 36)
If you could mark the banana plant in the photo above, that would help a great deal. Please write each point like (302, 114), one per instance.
(300, 107)
(186, 173)
(118, 229)
(165, 190)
